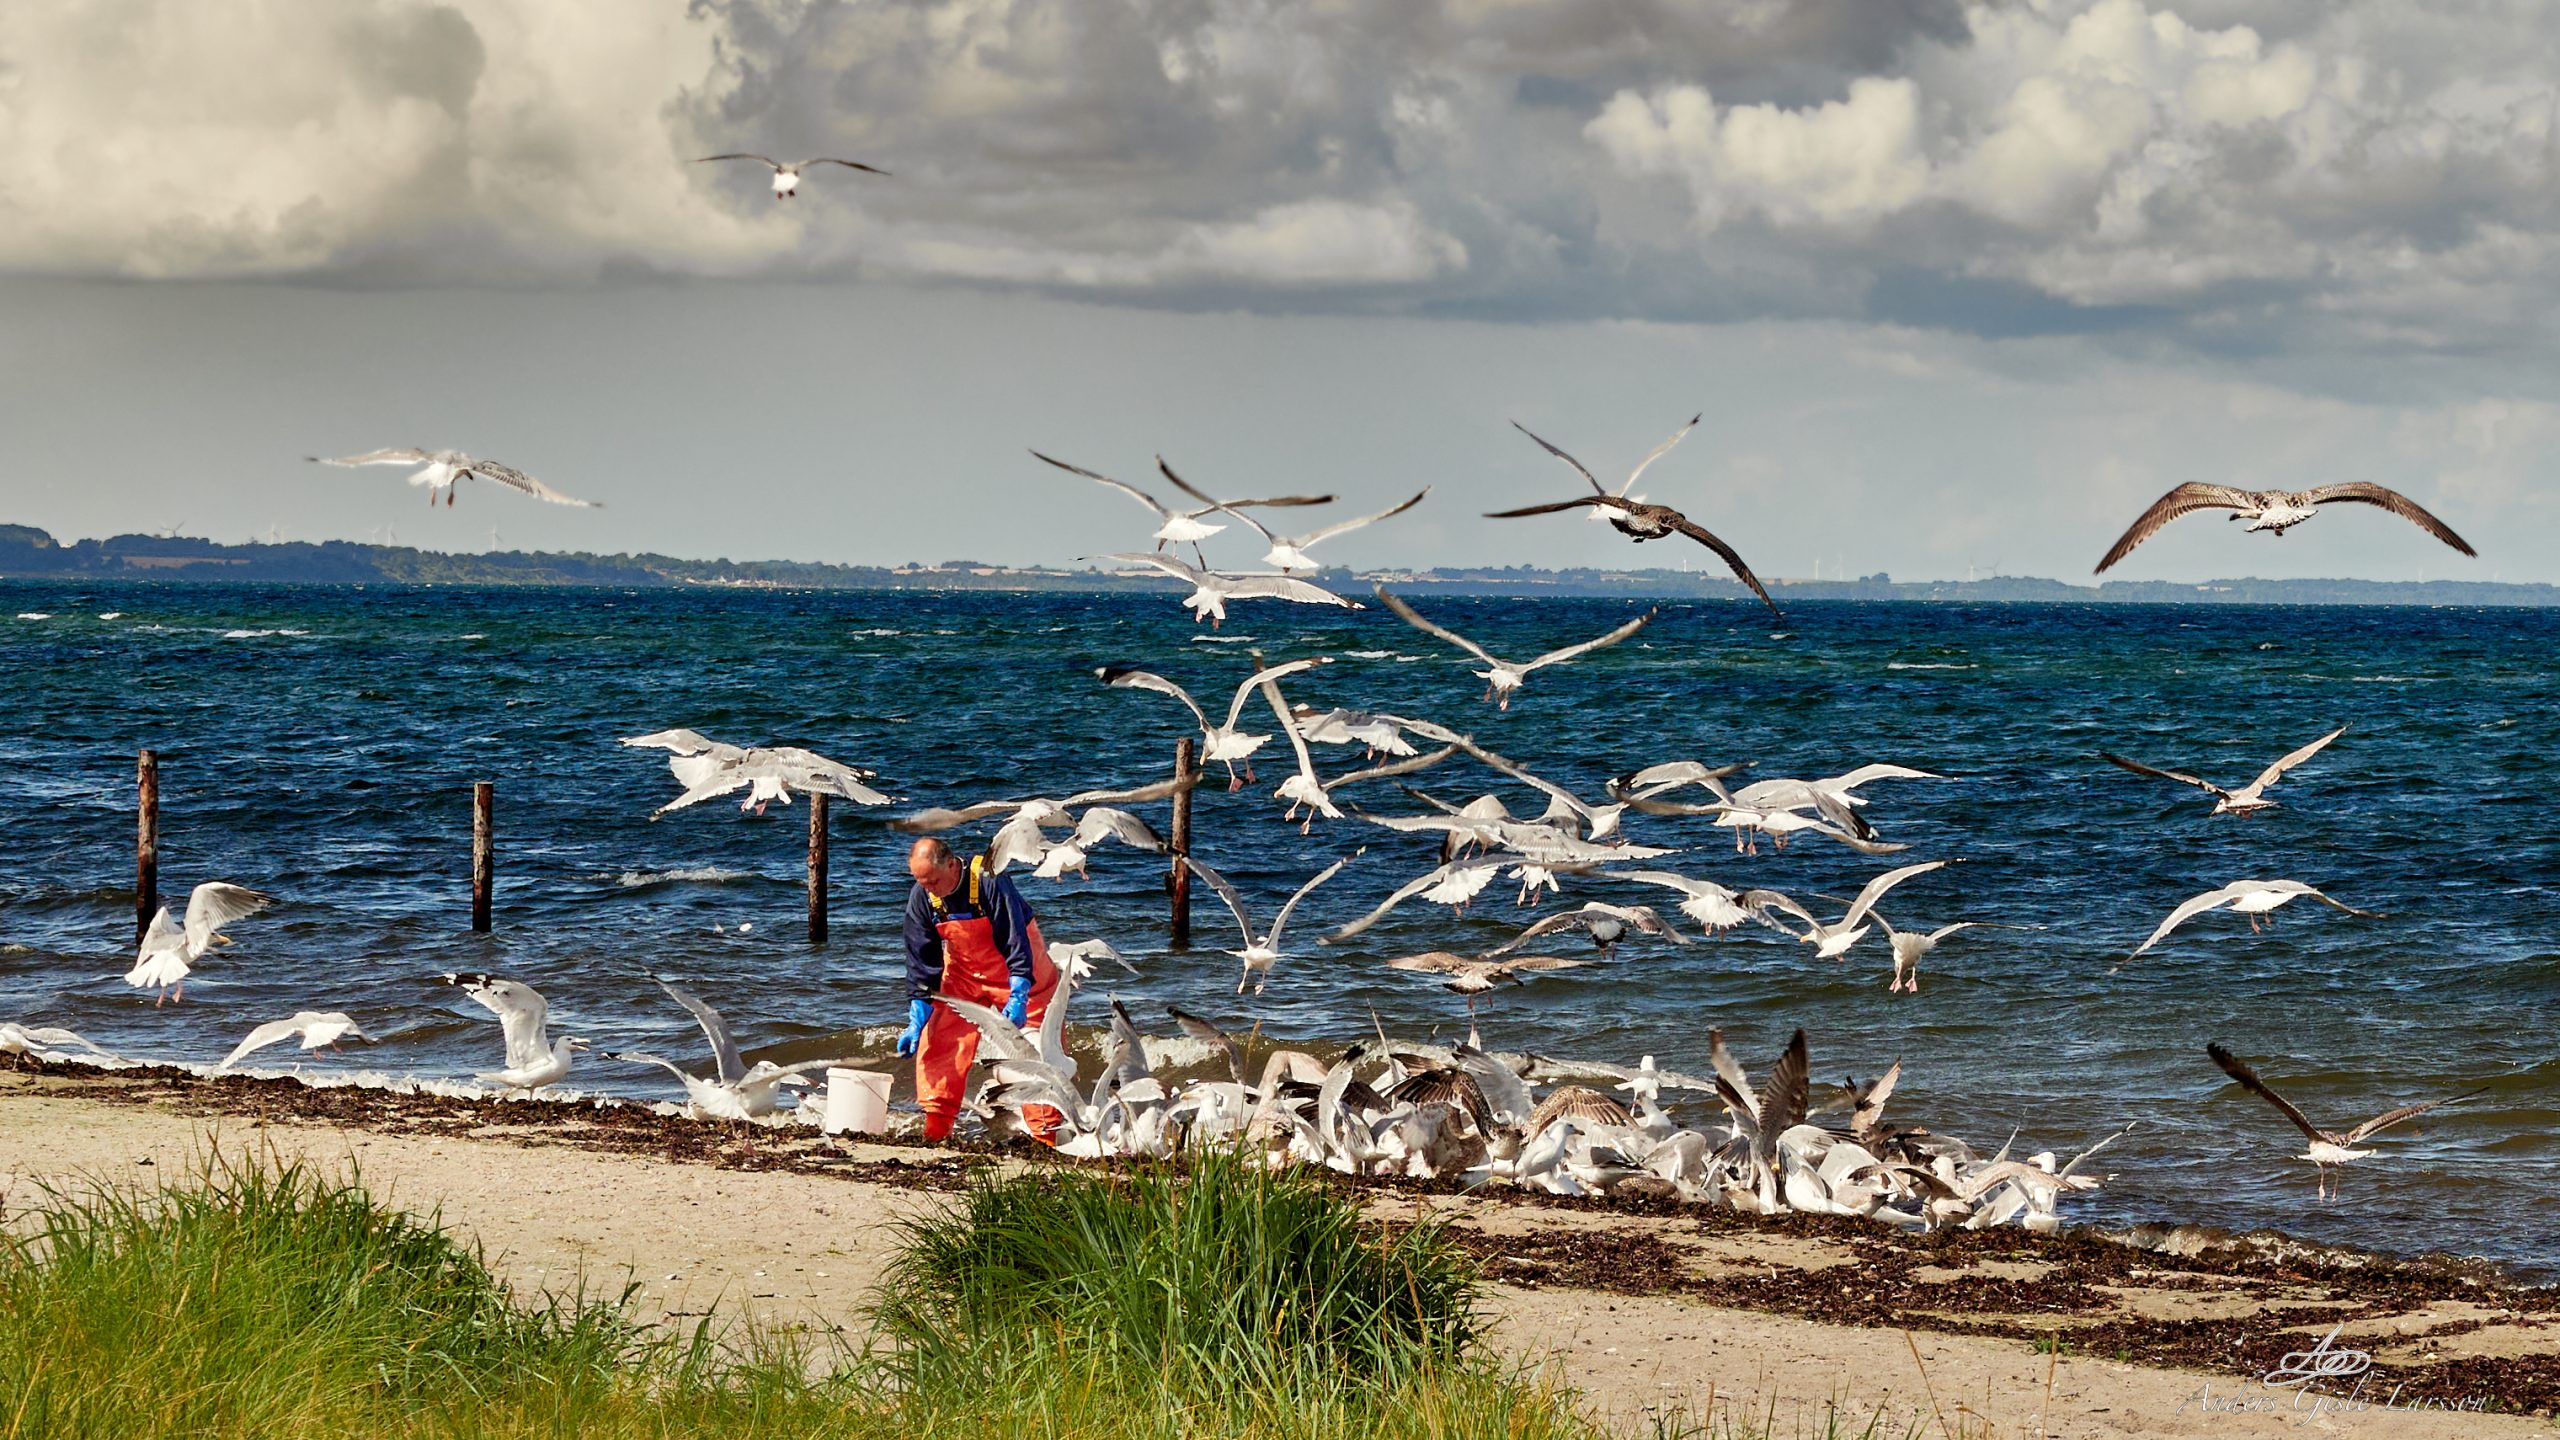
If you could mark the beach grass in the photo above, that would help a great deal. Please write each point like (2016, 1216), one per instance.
(255, 1298)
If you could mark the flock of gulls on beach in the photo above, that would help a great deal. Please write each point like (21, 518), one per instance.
(1388, 1106)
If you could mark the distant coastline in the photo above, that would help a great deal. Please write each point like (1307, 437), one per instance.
(27, 553)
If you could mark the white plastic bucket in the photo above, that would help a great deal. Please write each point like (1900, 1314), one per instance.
(857, 1101)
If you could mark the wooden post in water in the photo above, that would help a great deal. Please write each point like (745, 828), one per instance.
(146, 843)
(1178, 883)
(817, 869)
(484, 806)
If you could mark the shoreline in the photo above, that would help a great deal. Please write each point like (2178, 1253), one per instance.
(1604, 1288)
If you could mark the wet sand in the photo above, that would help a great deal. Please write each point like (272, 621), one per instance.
(1638, 1306)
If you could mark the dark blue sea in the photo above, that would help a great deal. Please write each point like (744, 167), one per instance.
(320, 744)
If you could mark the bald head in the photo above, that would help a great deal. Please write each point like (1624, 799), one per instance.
(934, 867)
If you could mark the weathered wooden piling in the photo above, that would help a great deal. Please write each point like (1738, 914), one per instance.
(484, 806)
(1177, 884)
(146, 843)
(817, 869)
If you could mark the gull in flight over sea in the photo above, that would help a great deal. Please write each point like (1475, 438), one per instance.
(1222, 744)
(1261, 950)
(1182, 527)
(2249, 799)
(317, 1029)
(1609, 924)
(2253, 898)
(1503, 677)
(710, 768)
(1022, 839)
(1634, 518)
(170, 950)
(1304, 787)
(2328, 1148)
(440, 470)
(786, 174)
(1832, 939)
(1624, 486)
(1910, 947)
(737, 1090)
(1289, 552)
(1474, 976)
(1705, 901)
(2276, 510)
(524, 1017)
(1211, 590)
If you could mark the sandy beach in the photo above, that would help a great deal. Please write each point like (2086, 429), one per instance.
(1777, 1321)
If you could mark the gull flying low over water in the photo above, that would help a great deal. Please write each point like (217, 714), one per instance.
(170, 950)
(1634, 518)
(2249, 799)
(2253, 898)
(524, 1017)
(1211, 590)
(1910, 947)
(710, 768)
(1503, 677)
(1609, 924)
(1260, 950)
(786, 173)
(1182, 527)
(1832, 939)
(1222, 744)
(2328, 1148)
(1289, 552)
(1705, 901)
(1624, 486)
(1472, 976)
(1022, 838)
(317, 1029)
(737, 1090)
(440, 470)
(2276, 510)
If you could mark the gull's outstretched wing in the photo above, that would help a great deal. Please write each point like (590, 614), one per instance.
(1558, 657)
(516, 479)
(1656, 453)
(2275, 772)
(1284, 587)
(398, 455)
(1732, 558)
(522, 1013)
(2365, 492)
(1340, 526)
(2181, 776)
(1281, 922)
(259, 1039)
(681, 742)
(1412, 617)
(1203, 1030)
(1128, 678)
(724, 1046)
(1212, 501)
(2183, 500)
(2191, 908)
(1577, 465)
(848, 164)
(1874, 889)
(1123, 486)
(2238, 1069)
(1226, 892)
(213, 905)
(2389, 1118)
(741, 155)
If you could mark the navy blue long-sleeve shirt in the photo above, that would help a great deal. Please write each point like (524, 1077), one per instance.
(1008, 915)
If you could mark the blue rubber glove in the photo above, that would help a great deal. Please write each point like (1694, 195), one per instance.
(918, 1012)
(1018, 1005)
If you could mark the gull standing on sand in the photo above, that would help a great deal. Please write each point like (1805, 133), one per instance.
(1261, 950)
(737, 1090)
(710, 768)
(2276, 510)
(534, 1059)
(2253, 898)
(1503, 678)
(786, 173)
(2328, 1148)
(1289, 552)
(440, 470)
(1211, 590)
(1181, 527)
(1832, 939)
(170, 950)
(1224, 744)
(2249, 799)
(318, 1030)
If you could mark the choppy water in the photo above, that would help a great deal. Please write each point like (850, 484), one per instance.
(320, 744)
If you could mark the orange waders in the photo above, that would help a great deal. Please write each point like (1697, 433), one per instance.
(973, 969)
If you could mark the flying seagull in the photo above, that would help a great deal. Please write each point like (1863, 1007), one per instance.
(786, 175)
(2276, 510)
(1628, 484)
(2328, 1148)
(317, 1029)
(524, 1017)
(1260, 950)
(1832, 939)
(1472, 976)
(1634, 518)
(170, 950)
(439, 470)
(1289, 552)
(1181, 527)
(2249, 799)
(1211, 590)
(2253, 898)
(1224, 744)
(710, 768)
(1504, 677)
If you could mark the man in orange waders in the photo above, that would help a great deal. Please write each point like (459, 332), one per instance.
(971, 936)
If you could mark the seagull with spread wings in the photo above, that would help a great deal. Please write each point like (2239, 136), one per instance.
(1832, 939)
(1212, 589)
(2248, 799)
(2276, 510)
(786, 173)
(317, 1029)
(441, 470)
(1504, 677)
(1219, 744)
(170, 950)
(1288, 552)
(1473, 976)
(1261, 950)
(2253, 898)
(2329, 1148)
(534, 1059)
(735, 1090)
(1634, 518)
(710, 768)
(1182, 527)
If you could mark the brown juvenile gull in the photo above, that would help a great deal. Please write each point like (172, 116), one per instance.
(786, 173)
(1472, 976)
(439, 470)
(1634, 518)
(2248, 799)
(2329, 1148)
(2276, 510)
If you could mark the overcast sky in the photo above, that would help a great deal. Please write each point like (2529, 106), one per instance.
(1955, 286)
